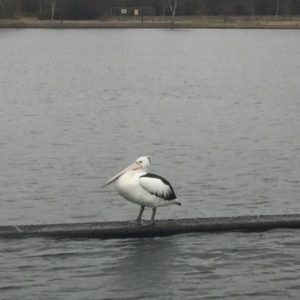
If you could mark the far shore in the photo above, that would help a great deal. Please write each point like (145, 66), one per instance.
(236, 22)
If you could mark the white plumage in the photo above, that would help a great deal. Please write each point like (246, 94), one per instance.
(142, 188)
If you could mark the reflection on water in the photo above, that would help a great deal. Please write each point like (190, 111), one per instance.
(145, 270)
(197, 266)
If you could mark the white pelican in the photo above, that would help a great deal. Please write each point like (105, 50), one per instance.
(144, 189)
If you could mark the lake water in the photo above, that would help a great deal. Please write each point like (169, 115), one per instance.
(217, 111)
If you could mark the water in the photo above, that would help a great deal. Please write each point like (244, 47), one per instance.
(217, 111)
(212, 266)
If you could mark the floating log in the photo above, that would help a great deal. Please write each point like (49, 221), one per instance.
(112, 230)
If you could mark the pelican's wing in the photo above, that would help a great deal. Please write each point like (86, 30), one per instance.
(157, 186)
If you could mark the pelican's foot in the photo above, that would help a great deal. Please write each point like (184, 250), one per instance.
(146, 223)
(136, 221)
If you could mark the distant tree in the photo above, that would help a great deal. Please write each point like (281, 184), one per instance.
(228, 8)
(173, 6)
(201, 8)
(252, 3)
(92, 9)
(249, 6)
(18, 7)
(40, 6)
(163, 8)
(7, 8)
(286, 8)
(52, 4)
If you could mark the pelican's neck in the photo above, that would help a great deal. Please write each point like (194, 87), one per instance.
(130, 174)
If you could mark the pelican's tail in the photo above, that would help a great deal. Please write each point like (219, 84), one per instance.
(176, 202)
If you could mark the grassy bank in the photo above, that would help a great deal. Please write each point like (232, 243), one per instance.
(159, 22)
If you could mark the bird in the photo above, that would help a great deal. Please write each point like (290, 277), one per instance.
(136, 185)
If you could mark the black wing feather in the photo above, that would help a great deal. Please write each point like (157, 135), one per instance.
(171, 195)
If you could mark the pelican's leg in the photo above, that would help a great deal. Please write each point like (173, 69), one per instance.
(153, 214)
(145, 223)
(139, 218)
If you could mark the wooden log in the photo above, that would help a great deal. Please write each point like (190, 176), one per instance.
(110, 230)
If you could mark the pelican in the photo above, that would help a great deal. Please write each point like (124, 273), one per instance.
(136, 185)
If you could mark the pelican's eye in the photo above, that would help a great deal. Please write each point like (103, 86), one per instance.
(140, 161)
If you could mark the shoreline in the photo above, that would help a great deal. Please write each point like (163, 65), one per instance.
(184, 23)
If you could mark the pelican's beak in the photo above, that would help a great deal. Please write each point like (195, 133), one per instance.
(134, 166)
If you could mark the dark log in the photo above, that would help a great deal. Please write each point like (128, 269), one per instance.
(110, 230)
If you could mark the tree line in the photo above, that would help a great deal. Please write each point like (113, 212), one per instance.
(95, 9)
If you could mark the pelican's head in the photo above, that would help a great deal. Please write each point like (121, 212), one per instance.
(142, 163)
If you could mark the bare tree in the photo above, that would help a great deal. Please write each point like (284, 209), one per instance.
(173, 6)
(52, 4)
(252, 9)
(249, 5)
